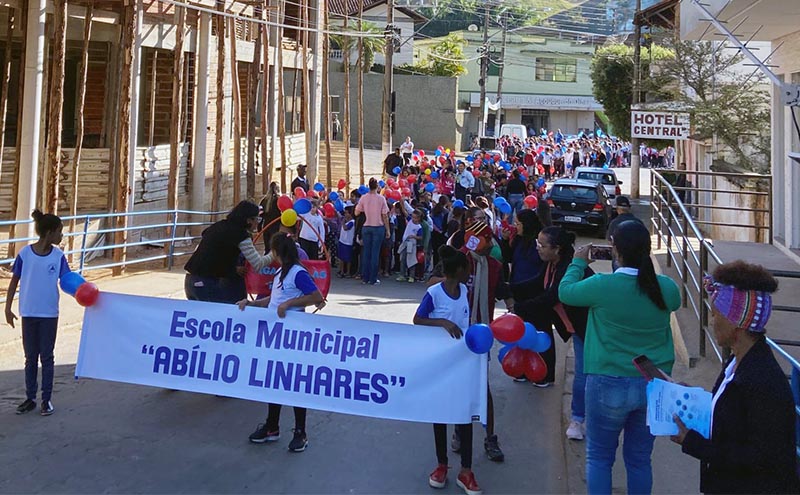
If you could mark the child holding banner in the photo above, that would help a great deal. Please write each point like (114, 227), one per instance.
(39, 266)
(293, 290)
(445, 305)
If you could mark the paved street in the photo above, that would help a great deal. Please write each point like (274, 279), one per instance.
(110, 437)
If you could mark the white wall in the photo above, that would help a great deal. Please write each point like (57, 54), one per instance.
(377, 16)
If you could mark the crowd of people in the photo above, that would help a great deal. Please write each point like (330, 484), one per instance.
(478, 232)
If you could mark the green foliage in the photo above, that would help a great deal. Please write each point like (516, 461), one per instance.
(372, 45)
(444, 59)
(612, 77)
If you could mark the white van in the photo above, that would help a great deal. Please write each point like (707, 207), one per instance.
(605, 176)
(514, 130)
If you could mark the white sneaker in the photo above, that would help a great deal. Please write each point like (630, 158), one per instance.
(575, 431)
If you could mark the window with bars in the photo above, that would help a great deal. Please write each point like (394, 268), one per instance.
(556, 69)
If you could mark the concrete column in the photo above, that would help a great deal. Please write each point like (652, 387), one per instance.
(136, 86)
(31, 123)
(315, 80)
(199, 140)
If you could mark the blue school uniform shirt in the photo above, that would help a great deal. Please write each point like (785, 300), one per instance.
(437, 303)
(38, 281)
(298, 283)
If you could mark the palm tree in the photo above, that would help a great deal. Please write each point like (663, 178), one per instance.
(372, 44)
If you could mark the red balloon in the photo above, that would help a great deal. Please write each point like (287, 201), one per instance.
(534, 367)
(329, 210)
(420, 257)
(406, 192)
(514, 362)
(412, 178)
(284, 202)
(403, 183)
(312, 193)
(496, 158)
(531, 201)
(476, 173)
(87, 294)
(299, 192)
(442, 159)
(390, 180)
(421, 152)
(440, 148)
(416, 158)
(341, 184)
(508, 329)
(395, 186)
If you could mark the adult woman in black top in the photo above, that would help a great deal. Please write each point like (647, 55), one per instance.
(752, 444)
(213, 270)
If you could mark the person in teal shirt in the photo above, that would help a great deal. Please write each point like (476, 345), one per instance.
(629, 315)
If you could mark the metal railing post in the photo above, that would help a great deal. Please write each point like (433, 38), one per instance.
(703, 298)
(82, 262)
(172, 240)
(668, 230)
(685, 263)
(771, 214)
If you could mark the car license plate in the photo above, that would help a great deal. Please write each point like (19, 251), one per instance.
(573, 219)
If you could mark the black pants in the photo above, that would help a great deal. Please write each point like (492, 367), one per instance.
(549, 356)
(274, 417)
(311, 248)
(38, 341)
(212, 289)
(440, 437)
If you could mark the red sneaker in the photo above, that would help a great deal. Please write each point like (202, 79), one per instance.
(467, 483)
(438, 478)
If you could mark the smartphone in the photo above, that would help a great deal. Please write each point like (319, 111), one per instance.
(601, 253)
(469, 198)
(649, 370)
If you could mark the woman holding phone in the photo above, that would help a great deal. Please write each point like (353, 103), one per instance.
(634, 321)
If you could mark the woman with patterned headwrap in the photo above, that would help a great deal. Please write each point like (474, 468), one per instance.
(752, 444)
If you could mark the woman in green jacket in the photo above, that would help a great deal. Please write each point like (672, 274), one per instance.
(629, 315)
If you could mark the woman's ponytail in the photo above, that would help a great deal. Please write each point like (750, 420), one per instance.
(648, 281)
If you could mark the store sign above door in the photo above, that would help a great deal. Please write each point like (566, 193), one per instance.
(659, 125)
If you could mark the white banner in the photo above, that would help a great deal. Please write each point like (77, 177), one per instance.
(368, 368)
(660, 125)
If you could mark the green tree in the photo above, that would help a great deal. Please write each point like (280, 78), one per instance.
(444, 59)
(372, 45)
(612, 78)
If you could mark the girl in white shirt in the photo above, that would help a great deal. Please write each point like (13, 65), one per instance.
(292, 290)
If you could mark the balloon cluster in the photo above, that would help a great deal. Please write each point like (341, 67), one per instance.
(86, 293)
(503, 205)
(523, 343)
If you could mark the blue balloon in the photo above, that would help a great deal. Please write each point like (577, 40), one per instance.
(458, 204)
(479, 338)
(339, 205)
(438, 153)
(503, 351)
(302, 206)
(397, 170)
(381, 184)
(319, 187)
(430, 187)
(362, 189)
(505, 208)
(540, 182)
(498, 201)
(70, 282)
(469, 158)
(542, 342)
(528, 340)
(434, 175)
(506, 166)
(333, 196)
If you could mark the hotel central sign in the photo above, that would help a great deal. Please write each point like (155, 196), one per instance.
(660, 125)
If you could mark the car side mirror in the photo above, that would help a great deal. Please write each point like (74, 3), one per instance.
(619, 182)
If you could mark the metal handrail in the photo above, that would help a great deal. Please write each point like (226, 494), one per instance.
(701, 306)
(84, 232)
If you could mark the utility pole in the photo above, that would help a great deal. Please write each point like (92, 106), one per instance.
(386, 114)
(499, 113)
(637, 56)
(484, 70)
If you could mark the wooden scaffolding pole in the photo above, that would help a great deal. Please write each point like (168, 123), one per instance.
(56, 113)
(360, 96)
(266, 152)
(83, 71)
(237, 118)
(6, 80)
(281, 98)
(252, 113)
(12, 248)
(175, 123)
(306, 107)
(127, 46)
(216, 191)
(326, 95)
(346, 105)
(153, 76)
